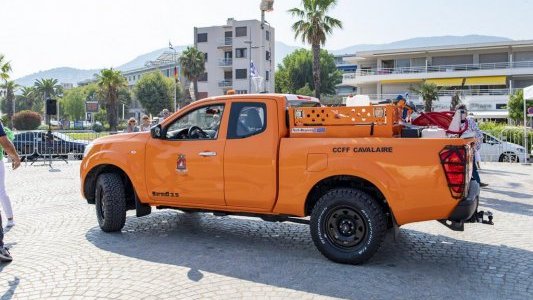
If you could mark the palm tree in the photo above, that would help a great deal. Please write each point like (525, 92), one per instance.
(313, 27)
(192, 63)
(109, 83)
(5, 68)
(10, 87)
(429, 93)
(28, 95)
(48, 88)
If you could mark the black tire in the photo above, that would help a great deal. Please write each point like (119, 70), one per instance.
(110, 202)
(348, 226)
(509, 157)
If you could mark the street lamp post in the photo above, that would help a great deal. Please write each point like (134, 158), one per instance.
(174, 58)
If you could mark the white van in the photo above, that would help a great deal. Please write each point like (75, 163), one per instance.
(494, 149)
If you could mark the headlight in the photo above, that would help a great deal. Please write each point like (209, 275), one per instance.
(87, 149)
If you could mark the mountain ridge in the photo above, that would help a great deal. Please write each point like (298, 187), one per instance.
(74, 75)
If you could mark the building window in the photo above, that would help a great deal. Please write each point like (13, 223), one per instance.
(241, 92)
(267, 35)
(202, 37)
(267, 76)
(241, 31)
(241, 73)
(241, 52)
(203, 77)
(267, 55)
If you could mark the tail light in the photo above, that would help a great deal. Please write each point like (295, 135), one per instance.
(456, 163)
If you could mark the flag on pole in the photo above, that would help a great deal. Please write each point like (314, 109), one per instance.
(253, 70)
(170, 45)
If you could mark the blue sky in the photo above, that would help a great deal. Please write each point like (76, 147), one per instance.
(37, 35)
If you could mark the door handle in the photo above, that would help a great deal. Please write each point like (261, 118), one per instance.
(207, 153)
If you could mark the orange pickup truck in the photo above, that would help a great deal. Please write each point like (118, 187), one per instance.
(284, 158)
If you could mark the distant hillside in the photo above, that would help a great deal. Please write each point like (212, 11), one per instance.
(63, 75)
(423, 42)
(71, 75)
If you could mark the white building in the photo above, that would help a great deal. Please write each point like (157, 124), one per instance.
(229, 49)
(483, 74)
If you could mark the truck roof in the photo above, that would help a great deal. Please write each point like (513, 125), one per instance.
(293, 100)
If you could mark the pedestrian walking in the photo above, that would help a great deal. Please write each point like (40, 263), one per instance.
(8, 147)
(472, 128)
(146, 123)
(132, 127)
(5, 201)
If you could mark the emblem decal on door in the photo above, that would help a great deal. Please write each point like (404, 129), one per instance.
(181, 163)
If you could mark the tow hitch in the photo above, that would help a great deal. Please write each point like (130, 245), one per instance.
(477, 217)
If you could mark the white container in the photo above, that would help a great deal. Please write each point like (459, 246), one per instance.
(358, 100)
(433, 133)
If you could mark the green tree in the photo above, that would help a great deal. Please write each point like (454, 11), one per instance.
(46, 88)
(295, 72)
(73, 103)
(26, 100)
(155, 92)
(192, 64)
(313, 26)
(8, 104)
(516, 106)
(429, 93)
(5, 68)
(305, 91)
(109, 84)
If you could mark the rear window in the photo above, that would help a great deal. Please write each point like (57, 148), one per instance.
(302, 103)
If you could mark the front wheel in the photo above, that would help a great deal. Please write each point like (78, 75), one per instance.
(110, 202)
(348, 226)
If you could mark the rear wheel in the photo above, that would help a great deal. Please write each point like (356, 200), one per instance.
(110, 202)
(348, 226)
(509, 157)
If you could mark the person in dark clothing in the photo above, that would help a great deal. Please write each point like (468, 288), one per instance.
(5, 256)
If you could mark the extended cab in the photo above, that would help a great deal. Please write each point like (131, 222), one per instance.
(284, 158)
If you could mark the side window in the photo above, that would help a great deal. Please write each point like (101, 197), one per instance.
(246, 119)
(202, 123)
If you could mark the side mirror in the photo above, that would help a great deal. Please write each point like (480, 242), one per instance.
(157, 132)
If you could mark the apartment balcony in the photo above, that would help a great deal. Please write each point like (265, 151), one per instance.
(375, 74)
(228, 83)
(225, 62)
(225, 42)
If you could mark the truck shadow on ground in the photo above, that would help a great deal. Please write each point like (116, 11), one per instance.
(507, 206)
(283, 255)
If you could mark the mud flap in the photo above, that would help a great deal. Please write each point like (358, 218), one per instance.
(141, 209)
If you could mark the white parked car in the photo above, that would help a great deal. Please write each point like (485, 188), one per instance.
(494, 149)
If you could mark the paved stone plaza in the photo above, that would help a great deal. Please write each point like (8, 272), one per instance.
(59, 251)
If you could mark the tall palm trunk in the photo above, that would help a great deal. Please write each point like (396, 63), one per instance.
(316, 69)
(195, 87)
(112, 111)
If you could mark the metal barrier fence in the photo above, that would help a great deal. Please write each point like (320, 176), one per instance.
(59, 145)
(506, 147)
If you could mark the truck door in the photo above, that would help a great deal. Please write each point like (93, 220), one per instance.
(250, 156)
(186, 166)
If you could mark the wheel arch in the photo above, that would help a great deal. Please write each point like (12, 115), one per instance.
(89, 186)
(348, 181)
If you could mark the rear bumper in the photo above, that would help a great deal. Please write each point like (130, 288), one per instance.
(467, 207)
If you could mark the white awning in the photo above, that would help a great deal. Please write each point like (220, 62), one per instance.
(489, 114)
